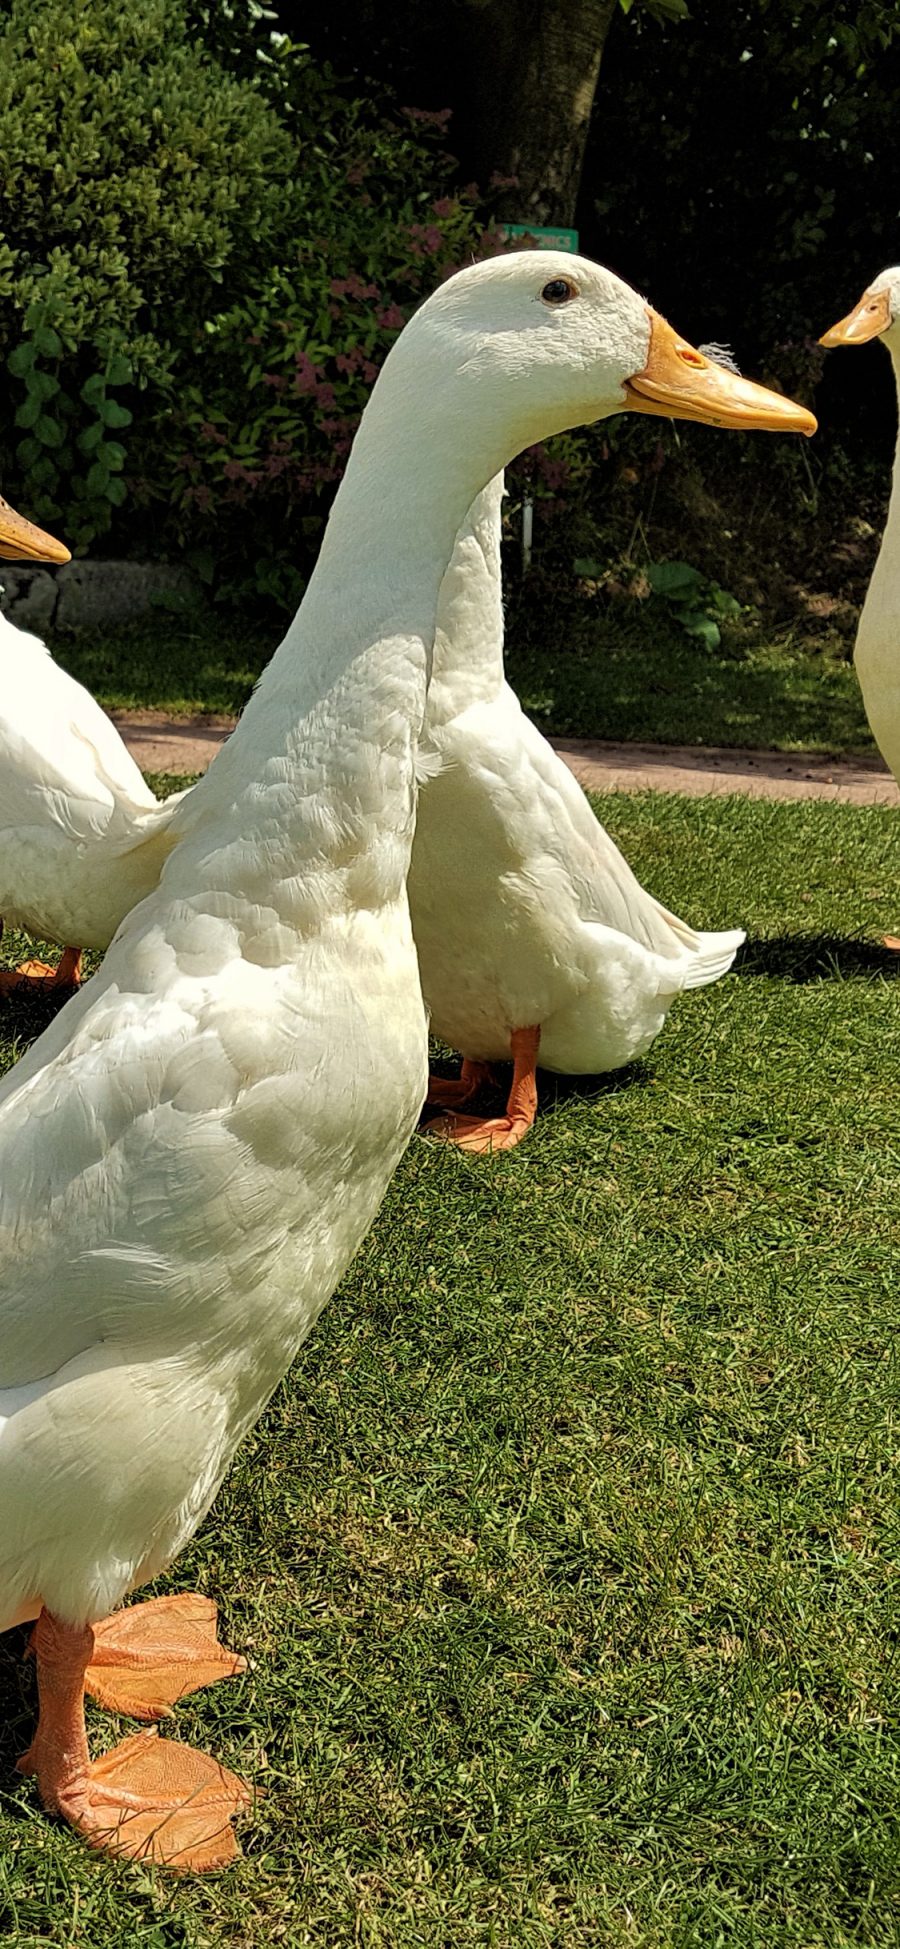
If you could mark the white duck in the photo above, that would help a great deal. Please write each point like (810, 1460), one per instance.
(877, 652)
(535, 940)
(193, 1151)
(82, 837)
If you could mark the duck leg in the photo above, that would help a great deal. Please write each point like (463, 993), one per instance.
(149, 1798)
(39, 973)
(147, 1657)
(500, 1133)
(448, 1091)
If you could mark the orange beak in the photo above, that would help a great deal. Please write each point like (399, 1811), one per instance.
(683, 384)
(868, 319)
(21, 541)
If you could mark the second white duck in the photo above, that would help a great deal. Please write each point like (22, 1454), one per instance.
(877, 653)
(192, 1153)
(82, 837)
(535, 939)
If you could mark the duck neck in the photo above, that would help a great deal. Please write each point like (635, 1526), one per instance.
(889, 554)
(468, 645)
(316, 787)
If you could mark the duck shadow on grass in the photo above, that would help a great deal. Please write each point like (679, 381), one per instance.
(554, 1091)
(803, 958)
(18, 1707)
(26, 1013)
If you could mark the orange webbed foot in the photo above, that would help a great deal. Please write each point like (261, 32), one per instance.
(449, 1091)
(150, 1799)
(478, 1134)
(39, 974)
(150, 1655)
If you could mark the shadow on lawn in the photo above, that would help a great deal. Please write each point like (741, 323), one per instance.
(18, 1705)
(816, 957)
(554, 1091)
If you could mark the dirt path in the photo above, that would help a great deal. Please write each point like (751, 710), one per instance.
(696, 769)
(188, 744)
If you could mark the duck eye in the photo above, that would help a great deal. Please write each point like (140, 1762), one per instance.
(559, 291)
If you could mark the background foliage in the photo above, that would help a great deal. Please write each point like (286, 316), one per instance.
(211, 236)
(199, 273)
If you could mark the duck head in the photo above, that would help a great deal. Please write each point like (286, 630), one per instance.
(556, 341)
(877, 315)
(21, 541)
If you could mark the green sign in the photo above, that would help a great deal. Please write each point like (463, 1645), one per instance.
(544, 239)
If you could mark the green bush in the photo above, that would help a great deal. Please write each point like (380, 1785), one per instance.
(199, 274)
(137, 175)
(277, 386)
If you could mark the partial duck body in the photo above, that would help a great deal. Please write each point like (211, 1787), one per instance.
(194, 1150)
(536, 941)
(82, 837)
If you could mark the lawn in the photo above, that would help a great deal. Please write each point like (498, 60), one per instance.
(618, 670)
(566, 1557)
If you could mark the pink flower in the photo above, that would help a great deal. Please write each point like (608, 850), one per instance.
(436, 118)
(499, 181)
(306, 379)
(390, 319)
(369, 372)
(426, 234)
(274, 379)
(444, 207)
(337, 428)
(209, 431)
(352, 287)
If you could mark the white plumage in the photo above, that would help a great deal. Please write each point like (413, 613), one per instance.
(524, 911)
(877, 652)
(193, 1151)
(82, 837)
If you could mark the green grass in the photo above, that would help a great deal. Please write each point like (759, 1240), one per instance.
(207, 662)
(566, 1556)
(628, 677)
(617, 670)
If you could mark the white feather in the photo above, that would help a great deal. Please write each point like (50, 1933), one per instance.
(193, 1151)
(524, 910)
(82, 838)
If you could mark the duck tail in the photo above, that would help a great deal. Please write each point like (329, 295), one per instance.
(711, 956)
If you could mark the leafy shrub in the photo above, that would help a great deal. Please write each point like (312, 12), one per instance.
(137, 177)
(697, 603)
(200, 273)
(740, 170)
(277, 386)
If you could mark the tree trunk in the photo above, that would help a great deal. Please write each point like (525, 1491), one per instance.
(529, 79)
(519, 75)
